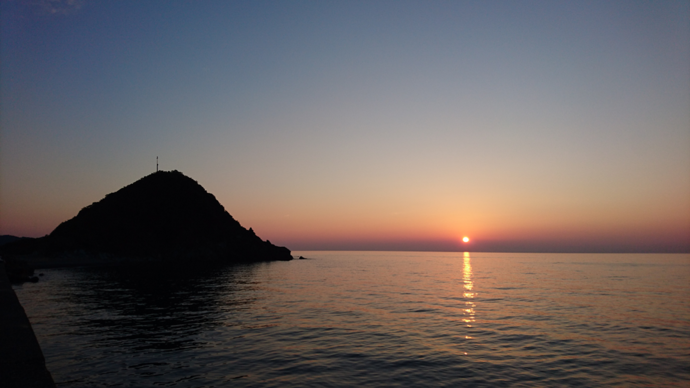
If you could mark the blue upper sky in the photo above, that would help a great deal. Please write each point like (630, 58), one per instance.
(359, 124)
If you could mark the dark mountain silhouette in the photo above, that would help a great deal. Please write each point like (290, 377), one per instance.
(164, 216)
(6, 238)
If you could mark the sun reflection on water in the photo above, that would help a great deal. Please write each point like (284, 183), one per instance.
(468, 311)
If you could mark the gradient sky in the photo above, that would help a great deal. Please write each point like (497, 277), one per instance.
(528, 126)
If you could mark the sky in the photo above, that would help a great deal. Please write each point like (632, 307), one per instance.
(535, 126)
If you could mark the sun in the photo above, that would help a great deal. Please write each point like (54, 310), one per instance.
(465, 239)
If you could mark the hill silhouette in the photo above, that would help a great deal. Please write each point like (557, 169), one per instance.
(166, 216)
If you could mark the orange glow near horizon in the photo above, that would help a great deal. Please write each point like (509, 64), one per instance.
(398, 223)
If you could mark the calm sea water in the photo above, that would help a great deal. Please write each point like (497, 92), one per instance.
(372, 319)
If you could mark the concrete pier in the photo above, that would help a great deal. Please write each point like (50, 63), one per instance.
(21, 359)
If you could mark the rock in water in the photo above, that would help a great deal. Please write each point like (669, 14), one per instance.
(166, 216)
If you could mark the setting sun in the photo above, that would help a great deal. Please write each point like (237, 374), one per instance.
(465, 239)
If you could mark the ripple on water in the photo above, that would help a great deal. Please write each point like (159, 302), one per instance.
(372, 319)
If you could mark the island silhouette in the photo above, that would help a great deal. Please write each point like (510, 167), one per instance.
(163, 217)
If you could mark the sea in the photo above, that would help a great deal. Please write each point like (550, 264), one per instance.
(371, 319)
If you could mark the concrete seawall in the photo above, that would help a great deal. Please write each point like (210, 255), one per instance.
(21, 359)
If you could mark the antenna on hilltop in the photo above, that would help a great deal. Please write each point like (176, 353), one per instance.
(156, 163)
